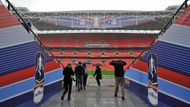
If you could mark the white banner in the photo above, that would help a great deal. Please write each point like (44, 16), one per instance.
(39, 78)
(152, 80)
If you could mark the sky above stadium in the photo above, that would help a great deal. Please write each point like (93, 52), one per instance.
(68, 5)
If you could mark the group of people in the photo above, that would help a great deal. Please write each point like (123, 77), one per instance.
(81, 75)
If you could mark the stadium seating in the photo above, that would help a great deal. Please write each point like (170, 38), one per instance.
(86, 22)
(18, 51)
(173, 56)
(103, 22)
(17, 47)
(99, 40)
(96, 53)
(184, 19)
(6, 19)
(157, 24)
(18, 57)
(70, 22)
(171, 65)
(40, 25)
(122, 21)
(106, 46)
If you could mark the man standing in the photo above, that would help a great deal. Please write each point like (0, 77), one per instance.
(119, 76)
(85, 76)
(68, 76)
(79, 70)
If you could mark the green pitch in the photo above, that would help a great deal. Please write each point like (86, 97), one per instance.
(105, 73)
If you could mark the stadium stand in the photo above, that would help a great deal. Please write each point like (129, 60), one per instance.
(184, 18)
(6, 19)
(41, 25)
(172, 50)
(155, 24)
(96, 40)
(96, 46)
(15, 45)
(96, 52)
(122, 21)
(101, 20)
(19, 57)
(70, 22)
(18, 51)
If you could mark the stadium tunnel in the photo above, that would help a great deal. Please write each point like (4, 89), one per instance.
(31, 72)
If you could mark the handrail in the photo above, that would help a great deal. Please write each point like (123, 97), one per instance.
(166, 26)
(34, 35)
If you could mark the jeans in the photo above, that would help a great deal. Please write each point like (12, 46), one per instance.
(119, 81)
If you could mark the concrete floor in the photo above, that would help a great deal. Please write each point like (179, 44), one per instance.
(95, 96)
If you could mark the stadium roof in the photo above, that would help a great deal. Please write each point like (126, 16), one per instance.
(1, 2)
(165, 13)
(97, 31)
(174, 7)
(67, 5)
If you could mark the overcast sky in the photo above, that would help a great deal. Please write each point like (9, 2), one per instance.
(67, 5)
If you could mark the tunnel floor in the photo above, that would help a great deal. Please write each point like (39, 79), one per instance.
(95, 96)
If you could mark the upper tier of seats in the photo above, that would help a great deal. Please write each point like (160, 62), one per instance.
(184, 19)
(156, 24)
(173, 48)
(97, 40)
(6, 19)
(102, 22)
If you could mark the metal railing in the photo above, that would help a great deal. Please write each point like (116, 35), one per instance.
(162, 31)
(12, 8)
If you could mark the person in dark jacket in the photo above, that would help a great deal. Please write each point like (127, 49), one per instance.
(119, 76)
(68, 77)
(85, 77)
(98, 75)
(79, 71)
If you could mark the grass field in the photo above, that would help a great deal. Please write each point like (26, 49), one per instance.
(105, 73)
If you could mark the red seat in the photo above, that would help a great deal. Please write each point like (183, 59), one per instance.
(6, 18)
